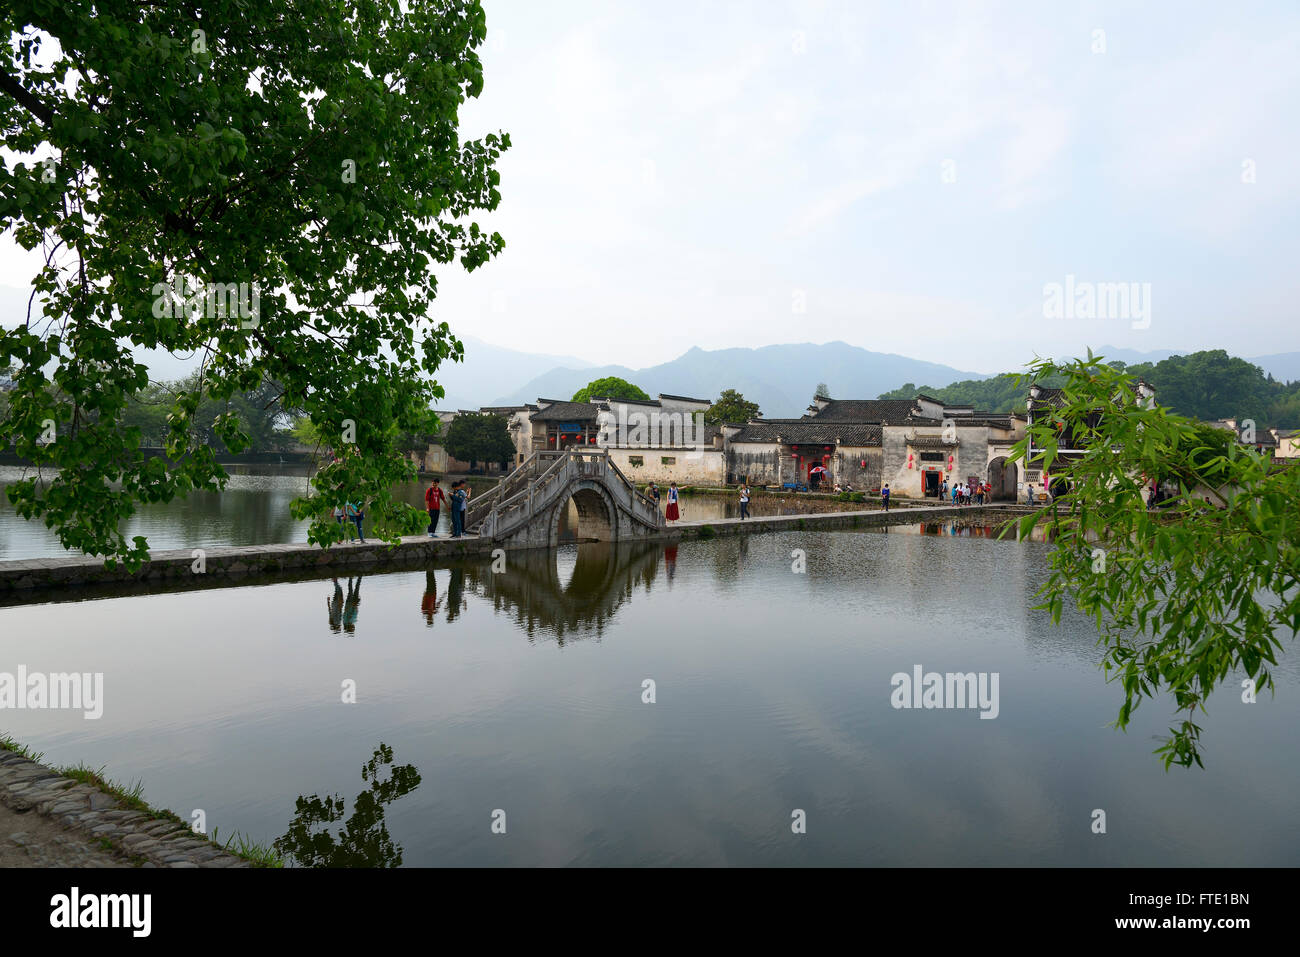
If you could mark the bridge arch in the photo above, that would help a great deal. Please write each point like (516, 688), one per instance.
(528, 505)
(597, 513)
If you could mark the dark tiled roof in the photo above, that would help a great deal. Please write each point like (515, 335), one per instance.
(809, 431)
(929, 442)
(565, 412)
(651, 402)
(684, 398)
(887, 411)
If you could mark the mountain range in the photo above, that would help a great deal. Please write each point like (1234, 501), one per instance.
(781, 378)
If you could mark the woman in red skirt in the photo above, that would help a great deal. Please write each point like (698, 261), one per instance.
(672, 514)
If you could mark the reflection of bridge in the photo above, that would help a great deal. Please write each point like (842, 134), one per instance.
(604, 577)
(525, 508)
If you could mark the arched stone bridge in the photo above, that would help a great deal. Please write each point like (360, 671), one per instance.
(525, 508)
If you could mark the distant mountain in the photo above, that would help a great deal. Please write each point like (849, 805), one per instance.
(781, 379)
(1283, 366)
(1133, 356)
(477, 380)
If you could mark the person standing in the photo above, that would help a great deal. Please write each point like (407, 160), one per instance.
(653, 492)
(672, 514)
(358, 516)
(433, 499)
(457, 516)
(884, 496)
(744, 502)
(955, 490)
(1029, 494)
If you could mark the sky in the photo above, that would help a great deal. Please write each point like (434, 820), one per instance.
(902, 177)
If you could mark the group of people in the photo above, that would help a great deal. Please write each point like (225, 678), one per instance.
(672, 513)
(348, 514)
(966, 493)
(458, 500)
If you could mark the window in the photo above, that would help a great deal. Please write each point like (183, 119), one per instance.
(931, 456)
(668, 460)
(636, 461)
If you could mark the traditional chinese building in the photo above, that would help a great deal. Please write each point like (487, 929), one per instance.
(914, 445)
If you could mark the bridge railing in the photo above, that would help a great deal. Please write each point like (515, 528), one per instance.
(545, 475)
(519, 507)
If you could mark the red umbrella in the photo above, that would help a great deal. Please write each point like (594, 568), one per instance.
(816, 469)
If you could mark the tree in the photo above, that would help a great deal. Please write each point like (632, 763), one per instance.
(823, 390)
(307, 150)
(1184, 594)
(610, 387)
(731, 407)
(475, 437)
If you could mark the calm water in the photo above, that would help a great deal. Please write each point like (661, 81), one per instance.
(522, 692)
(254, 510)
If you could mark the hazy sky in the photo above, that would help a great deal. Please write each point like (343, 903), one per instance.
(692, 173)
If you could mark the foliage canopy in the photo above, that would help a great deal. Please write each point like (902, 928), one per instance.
(306, 149)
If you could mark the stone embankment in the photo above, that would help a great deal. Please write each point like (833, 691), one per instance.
(201, 567)
(50, 820)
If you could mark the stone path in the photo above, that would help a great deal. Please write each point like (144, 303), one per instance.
(48, 820)
(30, 840)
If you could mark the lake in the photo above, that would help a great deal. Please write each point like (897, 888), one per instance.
(254, 510)
(519, 699)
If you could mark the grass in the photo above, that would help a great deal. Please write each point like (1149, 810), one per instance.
(707, 531)
(9, 744)
(131, 797)
(263, 855)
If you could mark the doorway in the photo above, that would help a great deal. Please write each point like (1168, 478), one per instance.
(931, 483)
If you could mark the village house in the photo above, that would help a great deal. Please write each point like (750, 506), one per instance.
(914, 445)
(1288, 443)
(650, 440)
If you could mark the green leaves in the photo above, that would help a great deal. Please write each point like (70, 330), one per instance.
(1204, 585)
(221, 161)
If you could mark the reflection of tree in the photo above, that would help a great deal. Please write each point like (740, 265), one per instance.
(364, 840)
(604, 576)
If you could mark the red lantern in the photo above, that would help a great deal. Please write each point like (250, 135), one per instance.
(862, 465)
(909, 460)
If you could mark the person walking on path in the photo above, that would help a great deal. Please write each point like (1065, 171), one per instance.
(884, 496)
(434, 496)
(673, 514)
(956, 489)
(358, 516)
(744, 502)
(1029, 495)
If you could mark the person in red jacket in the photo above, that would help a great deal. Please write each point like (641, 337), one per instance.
(433, 499)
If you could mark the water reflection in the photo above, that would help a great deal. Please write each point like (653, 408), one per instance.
(430, 602)
(364, 840)
(604, 576)
(343, 610)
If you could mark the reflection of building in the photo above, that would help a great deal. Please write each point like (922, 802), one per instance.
(604, 576)
(912, 444)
